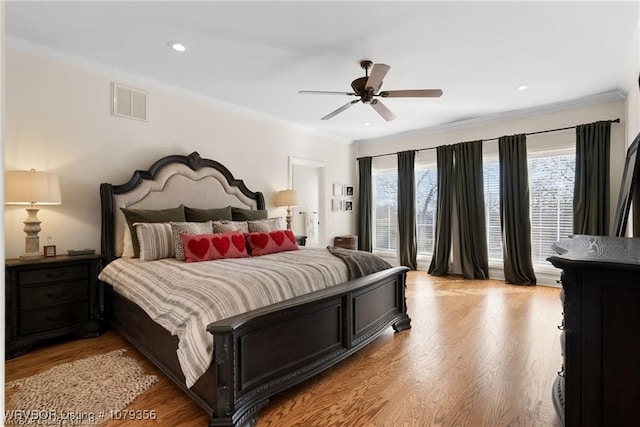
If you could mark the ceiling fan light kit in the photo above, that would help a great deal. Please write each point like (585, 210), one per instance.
(367, 87)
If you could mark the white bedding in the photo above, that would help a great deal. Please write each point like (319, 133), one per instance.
(185, 297)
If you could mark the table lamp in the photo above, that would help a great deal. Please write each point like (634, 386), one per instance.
(287, 198)
(31, 188)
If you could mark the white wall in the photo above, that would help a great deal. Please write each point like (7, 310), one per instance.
(58, 119)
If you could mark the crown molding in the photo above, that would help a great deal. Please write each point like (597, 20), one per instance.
(587, 101)
(114, 73)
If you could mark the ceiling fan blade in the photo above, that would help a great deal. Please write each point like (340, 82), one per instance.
(382, 110)
(412, 93)
(340, 110)
(324, 92)
(377, 74)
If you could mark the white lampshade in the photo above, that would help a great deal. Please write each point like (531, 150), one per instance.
(31, 187)
(286, 198)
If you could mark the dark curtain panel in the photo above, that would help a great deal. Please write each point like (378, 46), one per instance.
(515, 218)
(407, 209)
(442, 240)
(470, 208)
(365, 202)
(591, 191)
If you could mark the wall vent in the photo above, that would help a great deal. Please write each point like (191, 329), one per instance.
(129, 102)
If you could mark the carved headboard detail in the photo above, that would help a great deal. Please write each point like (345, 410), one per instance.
(169, 182)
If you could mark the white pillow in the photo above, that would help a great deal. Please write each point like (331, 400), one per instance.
(155, 239)
(127, 243)
(226, 226)
(177, 228)
(265, 225)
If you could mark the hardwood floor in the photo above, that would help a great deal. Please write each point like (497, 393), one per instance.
(480, 353)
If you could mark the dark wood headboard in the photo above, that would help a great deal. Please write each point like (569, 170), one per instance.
(169, 182)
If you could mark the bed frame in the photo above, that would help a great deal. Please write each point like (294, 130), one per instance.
(262, 352)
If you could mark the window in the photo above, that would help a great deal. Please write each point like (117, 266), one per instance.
(551, 178)
(491, 177)
(386, 209)
(385, 196)
(426, 204)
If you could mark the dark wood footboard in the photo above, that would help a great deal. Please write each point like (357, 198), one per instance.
(266, 351)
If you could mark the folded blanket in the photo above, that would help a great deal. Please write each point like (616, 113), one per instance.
(359, 263)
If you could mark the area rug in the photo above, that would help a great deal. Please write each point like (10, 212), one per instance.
(84, 392)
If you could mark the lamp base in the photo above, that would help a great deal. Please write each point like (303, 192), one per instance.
(289, 217)
(32, 241)
(30, 256)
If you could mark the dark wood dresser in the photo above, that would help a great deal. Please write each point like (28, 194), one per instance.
(599, 384)
(49, 298)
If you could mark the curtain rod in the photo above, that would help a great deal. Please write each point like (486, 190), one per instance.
(488, 139)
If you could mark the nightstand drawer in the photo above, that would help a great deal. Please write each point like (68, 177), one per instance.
(49, 275)
(52, 318)
(50, 295)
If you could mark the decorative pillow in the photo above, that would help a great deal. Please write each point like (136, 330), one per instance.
(204, 247)
(150, 216)
(155, 240)
(227, 226)
(239, 214)
(272, 242)
(264, 225)
(204, 215)
(178, 228)
(127, 244)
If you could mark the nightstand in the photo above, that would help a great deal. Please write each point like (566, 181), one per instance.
(346, 242)
(49, 298)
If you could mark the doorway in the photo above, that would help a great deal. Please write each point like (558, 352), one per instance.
(307, 178)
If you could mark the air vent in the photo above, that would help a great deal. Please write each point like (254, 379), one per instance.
(129, 102)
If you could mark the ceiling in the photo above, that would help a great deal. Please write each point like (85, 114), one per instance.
(256, 56)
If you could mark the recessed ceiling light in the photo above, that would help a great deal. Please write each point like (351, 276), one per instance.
(522, 87)
(366, 124)
(177, 46)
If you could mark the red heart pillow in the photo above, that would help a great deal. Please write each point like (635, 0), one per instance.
(205, 247)
(272, 242)
(199, 247)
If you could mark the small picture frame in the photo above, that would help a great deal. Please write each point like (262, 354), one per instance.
(348, 205)
(50, 251)
(336, 205)
(348, 190)
(337, 189)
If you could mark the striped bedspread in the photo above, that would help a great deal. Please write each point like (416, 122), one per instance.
(185, 297)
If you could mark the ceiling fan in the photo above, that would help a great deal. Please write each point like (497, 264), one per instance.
(367, 87)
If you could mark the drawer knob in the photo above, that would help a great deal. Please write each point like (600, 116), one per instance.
(57, 295)
(56, 274)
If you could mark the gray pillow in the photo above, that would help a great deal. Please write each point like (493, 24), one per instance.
(239, 214)
(204, 215)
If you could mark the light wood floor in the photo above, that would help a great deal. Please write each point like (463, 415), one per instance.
(480, 353)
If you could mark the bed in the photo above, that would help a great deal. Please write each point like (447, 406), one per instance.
(263, 351)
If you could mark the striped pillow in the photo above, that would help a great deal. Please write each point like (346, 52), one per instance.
(156, 241)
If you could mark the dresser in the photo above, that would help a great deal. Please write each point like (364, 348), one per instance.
(49, 298)
(599, 382)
